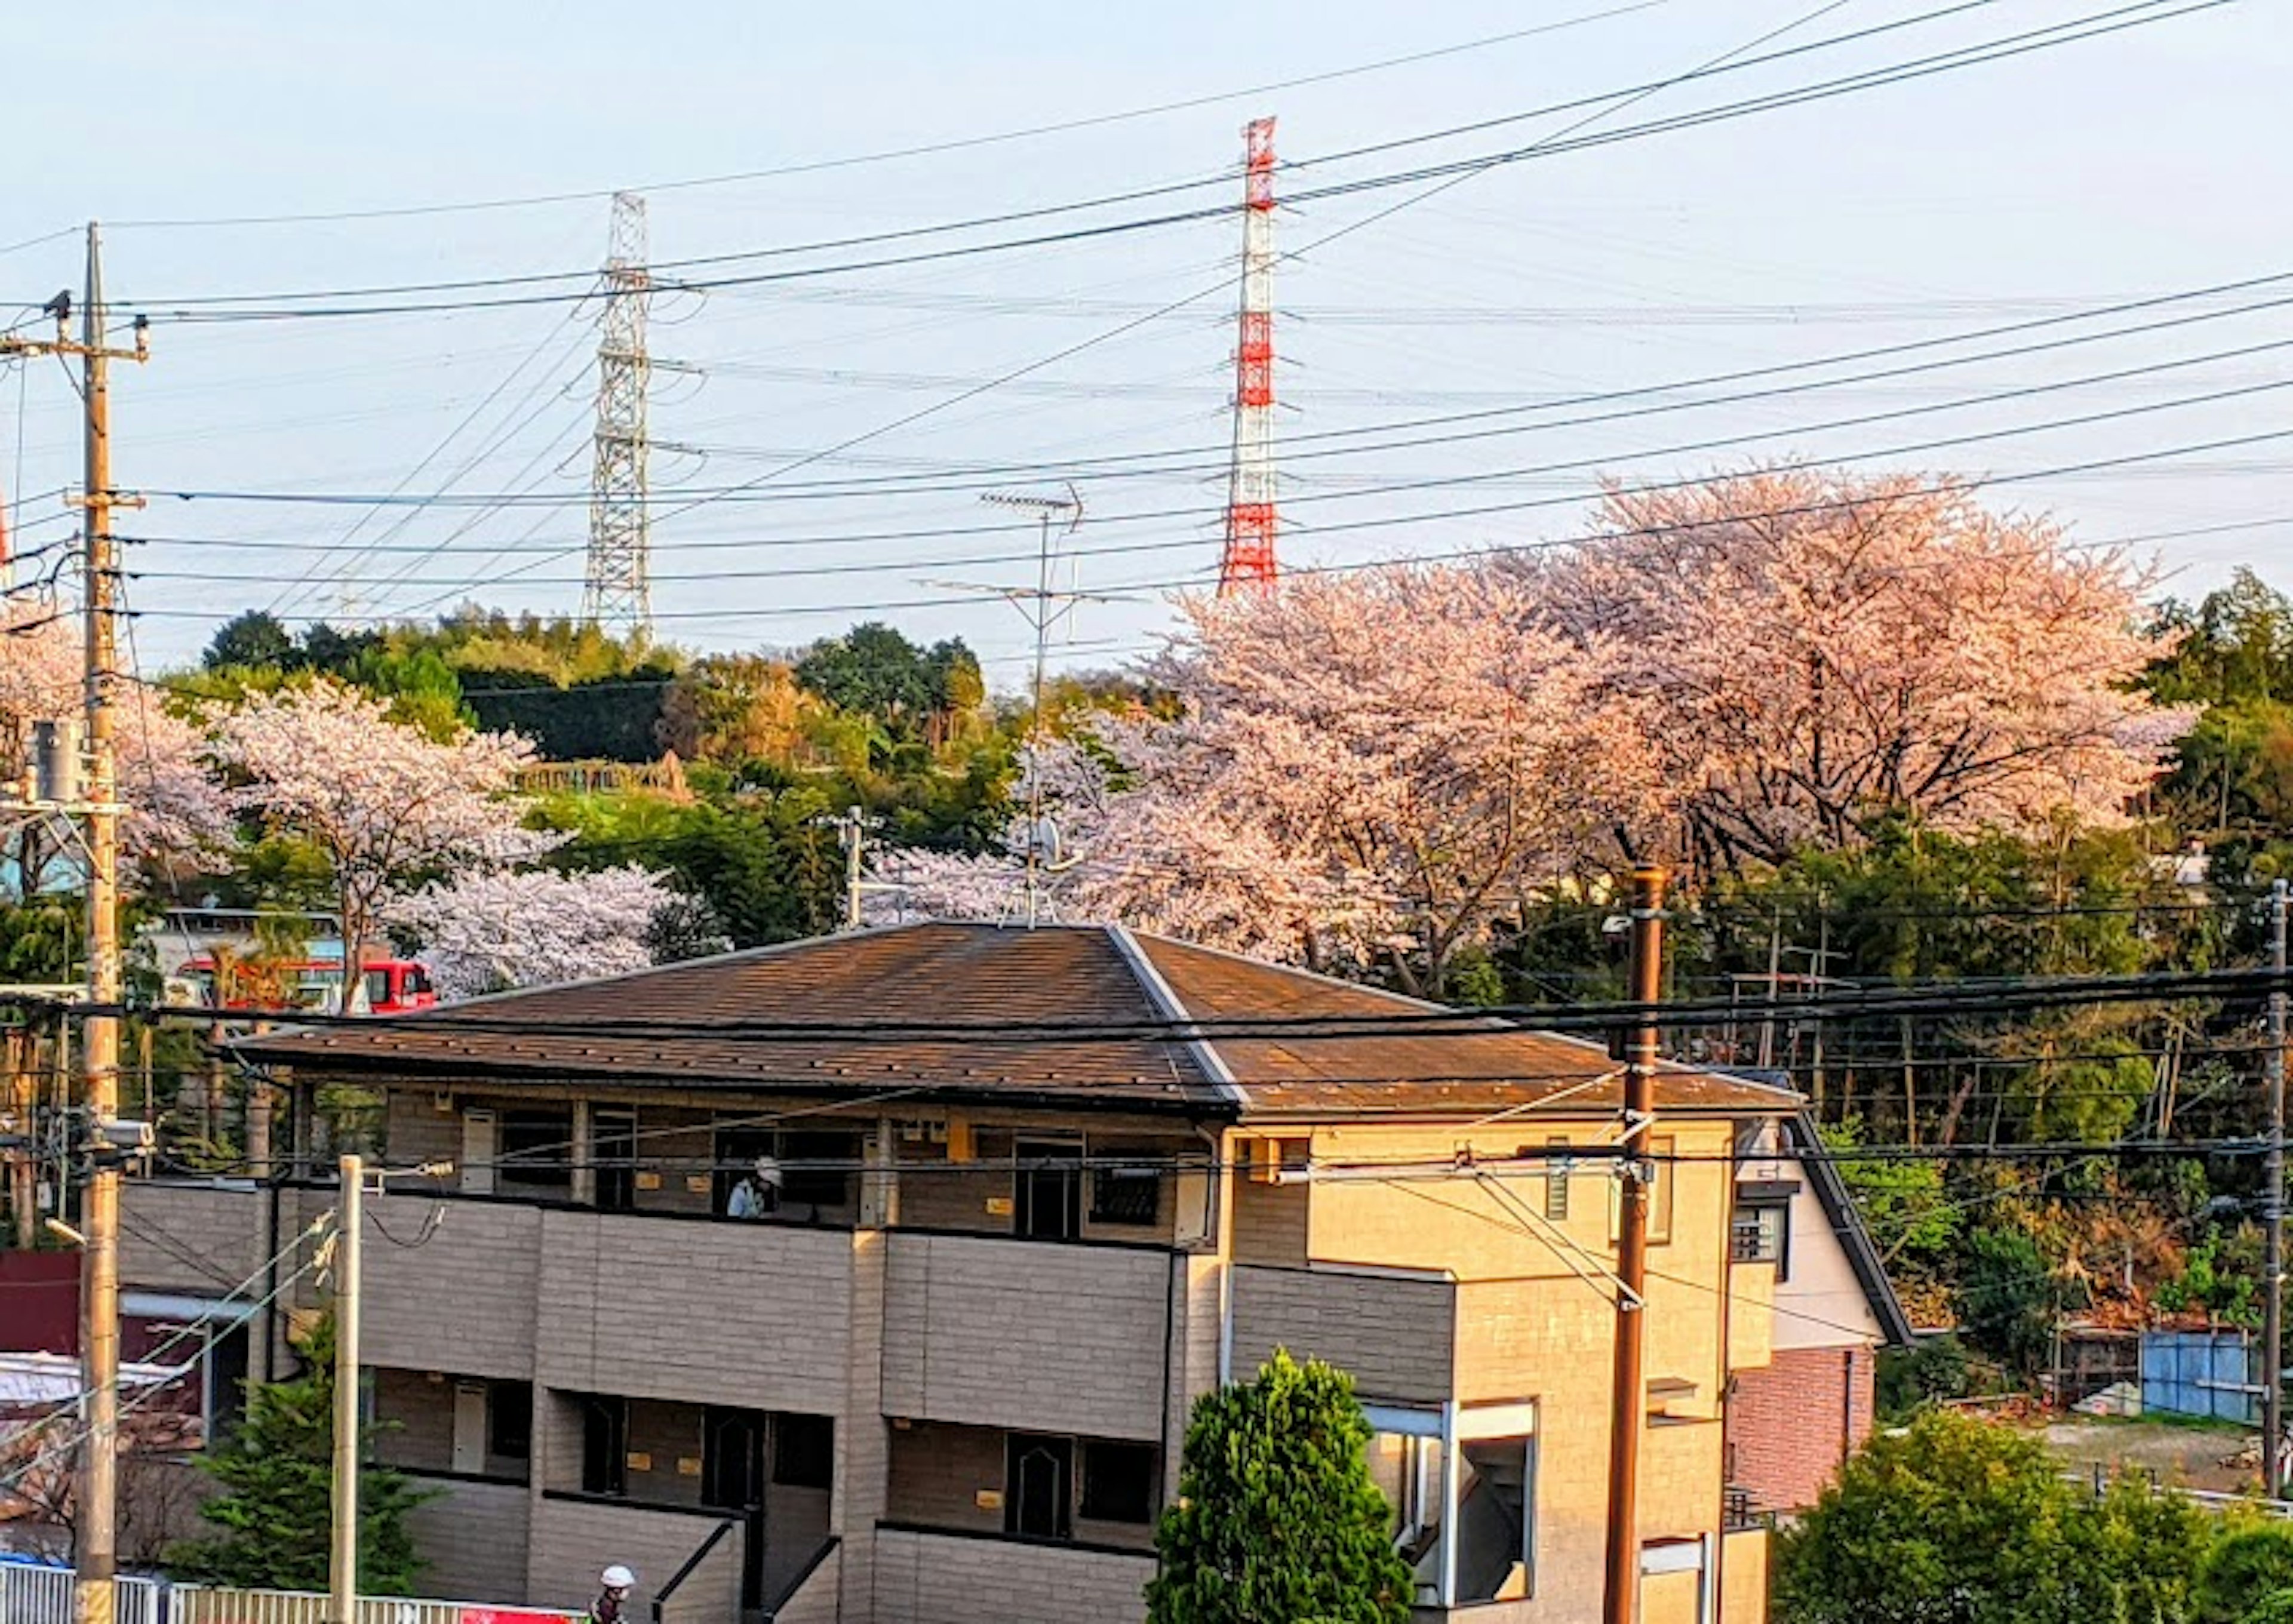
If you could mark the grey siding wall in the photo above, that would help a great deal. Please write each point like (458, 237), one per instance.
(750, 1315)
(202, 1239)
(938, 1471)
(1021, 1334)
(573, 1540)
(1396, 1337)
(814, 1601)
(933, 1578)
(473, 1537)
(1270, 1222)
(464, 1300)
(416, 1131)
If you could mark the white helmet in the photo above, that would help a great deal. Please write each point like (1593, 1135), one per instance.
(618, 1578)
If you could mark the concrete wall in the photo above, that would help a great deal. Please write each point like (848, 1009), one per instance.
(473, 1538)
(1397, 1337)
(752, 1314)
(464, 1300)
(1026, 1335)
(941, 1579)
(573, 1540)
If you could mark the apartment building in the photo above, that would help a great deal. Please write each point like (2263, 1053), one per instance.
(850, 1280)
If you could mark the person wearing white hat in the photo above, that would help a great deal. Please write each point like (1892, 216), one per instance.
(613, 1598)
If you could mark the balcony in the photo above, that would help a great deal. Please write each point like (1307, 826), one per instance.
(1027, 1335)
(931, 1577)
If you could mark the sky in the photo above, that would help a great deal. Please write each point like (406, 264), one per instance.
(826, 424)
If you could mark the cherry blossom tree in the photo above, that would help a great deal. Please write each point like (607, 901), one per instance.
(383, 804)
(1370, 766)
(177, 816)
(1815, 650)
(488, 931)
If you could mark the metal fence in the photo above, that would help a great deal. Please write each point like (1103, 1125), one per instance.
(2211, 1373)
(33, 1594)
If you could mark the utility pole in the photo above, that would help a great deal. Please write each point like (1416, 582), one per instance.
(2273, 1263)
(851, 829)
(1628, 1399)
(342, 1568)
(96, 1527)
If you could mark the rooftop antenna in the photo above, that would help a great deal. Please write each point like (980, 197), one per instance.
(1056, 516)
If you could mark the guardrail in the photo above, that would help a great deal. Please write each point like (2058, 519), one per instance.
(33, 1594)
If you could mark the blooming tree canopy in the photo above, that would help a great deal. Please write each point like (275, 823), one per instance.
(489, 932)
(385, 804)
(176, 813)
(1813, 649)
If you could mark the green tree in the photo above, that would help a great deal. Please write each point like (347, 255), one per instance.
(2008, 1298)
(254, 639)
(2246, 1568)
(1276, 1520)
(1959, 1521)
(274, 1507)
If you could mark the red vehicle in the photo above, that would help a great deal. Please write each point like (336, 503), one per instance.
(386, 986)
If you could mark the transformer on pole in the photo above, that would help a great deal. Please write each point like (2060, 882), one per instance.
(617, 592)
(1248, 562)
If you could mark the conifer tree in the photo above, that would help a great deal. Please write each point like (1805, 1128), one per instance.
(1277, 1521)
(274, 1515)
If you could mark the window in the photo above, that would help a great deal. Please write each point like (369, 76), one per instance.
(417, 981)
(377, 987)
(1038, 1486)
(804, 1451)
(1048, 1190)
(738, 1149)
(1556, 1182)
(605, 1445)
(614, 1160)
(1758, 1234)
(817, 1186)
(509, 1421)
(1125, 1195)
(1118, 1481)
(537, 1146)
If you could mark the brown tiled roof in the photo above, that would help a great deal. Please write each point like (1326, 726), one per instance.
(1394, 1072)
(680, 1026)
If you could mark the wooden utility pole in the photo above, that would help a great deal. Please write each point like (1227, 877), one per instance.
(342, 1559)
(2273, 1262)
(1628, 1397)
(95, 1528)
(23, 1169)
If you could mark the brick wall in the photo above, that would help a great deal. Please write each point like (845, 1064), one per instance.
(1022, 1334)
(934, 1579)
(1793, 1421)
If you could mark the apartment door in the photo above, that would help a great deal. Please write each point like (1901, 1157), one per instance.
(613, 1149)
(470, 1427)
(480, 1143)
(1049, 1197)
(1038, 1486)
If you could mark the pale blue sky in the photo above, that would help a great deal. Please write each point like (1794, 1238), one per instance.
(2151, 162)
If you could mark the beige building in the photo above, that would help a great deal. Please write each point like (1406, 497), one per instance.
(938, 1368)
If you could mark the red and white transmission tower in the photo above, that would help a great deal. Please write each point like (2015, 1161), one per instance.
(1249, 559)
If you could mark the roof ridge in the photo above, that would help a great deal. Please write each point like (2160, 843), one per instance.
(1171, 1007)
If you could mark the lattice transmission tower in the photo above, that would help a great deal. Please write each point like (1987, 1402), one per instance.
(1249, 514)
(617, 590)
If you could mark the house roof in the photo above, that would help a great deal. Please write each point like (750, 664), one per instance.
(1084, 1014)
(1801, 1139)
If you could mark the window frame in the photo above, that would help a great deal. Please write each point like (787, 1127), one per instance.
(794, 1433)
(1780, 1213)
(1061, 1450)
(612, 1415)
(1142, 1180)
(543, 1129)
